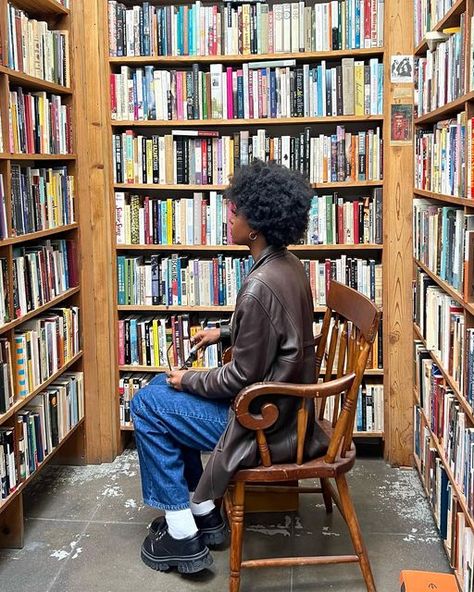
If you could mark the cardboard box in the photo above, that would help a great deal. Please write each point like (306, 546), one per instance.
(425, 581)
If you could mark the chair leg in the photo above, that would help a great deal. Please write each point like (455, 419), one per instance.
(236, 535)
(326, 495)
(354, 529)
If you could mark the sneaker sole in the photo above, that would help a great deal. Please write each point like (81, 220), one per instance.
(214, 536)
(191, 564)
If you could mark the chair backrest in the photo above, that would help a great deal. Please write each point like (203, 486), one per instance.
(348, 332)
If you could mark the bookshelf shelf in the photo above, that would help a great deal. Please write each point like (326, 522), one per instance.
(456, 487)
(234, 248)
(5, 502)
(441, 112)
(450, 199)
(42, 7)
(449, 379)
(237, 59)
(447, 21)
(24, 400)
(157, 187)
(17, 156)
(31, 82)
(12, 324)
(158, 369)
(37, 235)
(446, 287)
(175, 123)
(181, 308)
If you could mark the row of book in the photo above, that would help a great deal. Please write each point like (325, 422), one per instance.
(443, 240)
(247, 28)
(370, 407)
(443, 157)
(165, 341)
(42, 198)
(42, 272)
(7, 393)
(3, 211)
(39, 427)
(180, 281)
(333, 219)
(35, 49)
(440, 77)
(454, 532)
(272, 89)
(42, 346)
(202, 158)
(428, 13)
(445, 338)
(40, 123)
(4, 292)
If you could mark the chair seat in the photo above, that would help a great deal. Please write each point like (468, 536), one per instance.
(313, 469)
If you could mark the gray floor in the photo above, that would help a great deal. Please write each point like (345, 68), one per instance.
(85, 526)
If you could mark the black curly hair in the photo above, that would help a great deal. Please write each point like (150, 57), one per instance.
(274, 199)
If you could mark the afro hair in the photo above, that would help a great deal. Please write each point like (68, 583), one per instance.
(274, 199)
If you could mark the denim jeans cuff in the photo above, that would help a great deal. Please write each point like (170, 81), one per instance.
(170, 507)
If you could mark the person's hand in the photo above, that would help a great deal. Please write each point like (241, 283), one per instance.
(174, 378)
(206, 337)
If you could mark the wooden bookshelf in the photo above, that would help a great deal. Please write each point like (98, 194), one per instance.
(57, 17)
(157, 187)
(447, 111)
(234, 248)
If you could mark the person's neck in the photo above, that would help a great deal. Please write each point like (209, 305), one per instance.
(257, 247)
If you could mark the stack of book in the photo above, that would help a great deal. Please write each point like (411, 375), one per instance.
(3, 211)
(42, 198)
(41, 273)
(7, 394)
(203, 158)
(440, 76)
(4, 298)
(249, 28)
(272, 89)
(35, 49)
(370, 407)
(443, 155)
(39, 123)
(43, 345)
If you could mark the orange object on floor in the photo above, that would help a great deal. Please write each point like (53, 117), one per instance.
(425, 581)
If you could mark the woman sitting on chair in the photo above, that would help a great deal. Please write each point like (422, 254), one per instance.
(272, 340)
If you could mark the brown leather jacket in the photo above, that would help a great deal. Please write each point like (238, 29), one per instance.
(272, 340)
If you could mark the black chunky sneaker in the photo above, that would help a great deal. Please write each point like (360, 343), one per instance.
(161, 551)
(212, 527)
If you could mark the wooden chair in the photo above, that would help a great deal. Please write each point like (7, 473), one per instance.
(349, 328)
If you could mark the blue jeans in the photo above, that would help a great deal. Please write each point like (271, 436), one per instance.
(172, 428)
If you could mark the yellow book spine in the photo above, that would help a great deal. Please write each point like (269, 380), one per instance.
(359, 87)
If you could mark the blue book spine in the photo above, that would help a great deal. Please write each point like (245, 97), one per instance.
(121, 279)
(135, 93)
(164, 225)
(191, 30)
(221, 272)
(240, 97)
(357, 24)
(169, 282)
(133, 341)
(180, 44)
(149, 95)
(273, 102)
(146, 28)
(380, 90)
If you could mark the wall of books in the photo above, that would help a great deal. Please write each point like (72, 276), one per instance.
(200, 89)
(41, 378)
(443, 241)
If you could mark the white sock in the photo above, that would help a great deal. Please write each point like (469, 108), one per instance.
(202, 508)
(180, 523)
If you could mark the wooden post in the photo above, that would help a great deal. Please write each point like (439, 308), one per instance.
(97, 281)
(11, 525)
(397, 254)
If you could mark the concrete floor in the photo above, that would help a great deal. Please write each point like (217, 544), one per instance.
(85, 526)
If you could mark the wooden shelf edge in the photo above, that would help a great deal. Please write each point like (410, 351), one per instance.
(242, 58)
(446, 287)
(182, 308)
(5, 502)
(158, 187)
(37, 235)
(468, 410)
(176, 123)
(37, 311)
(215, 248)
(441, 24)
(158, 369)
(18, 156)
(23, 79)
(24, 400)
(467, 202)
(457, 488)
(439, 113)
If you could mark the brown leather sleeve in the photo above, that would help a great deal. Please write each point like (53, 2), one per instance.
(226, 334)
(250, 355)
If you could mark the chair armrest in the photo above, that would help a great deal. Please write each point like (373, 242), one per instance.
(269, 412)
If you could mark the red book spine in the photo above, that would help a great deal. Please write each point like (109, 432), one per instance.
(113, 96)
(250, 98)
(204, 161)
(260, 93)
(230, 94)
(355, 219)
(327, 274)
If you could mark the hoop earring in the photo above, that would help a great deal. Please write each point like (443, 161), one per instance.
(253, 236)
